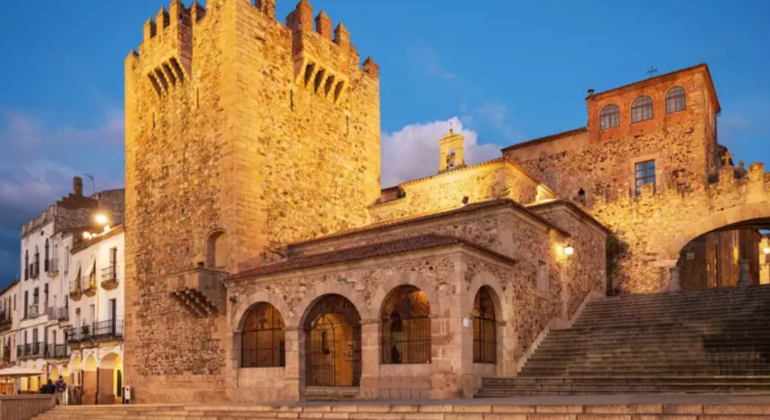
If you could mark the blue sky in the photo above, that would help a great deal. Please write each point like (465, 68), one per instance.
(505, 70)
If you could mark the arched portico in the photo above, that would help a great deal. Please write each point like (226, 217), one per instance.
(332, 343)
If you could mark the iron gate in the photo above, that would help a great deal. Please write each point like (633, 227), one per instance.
(324, 342)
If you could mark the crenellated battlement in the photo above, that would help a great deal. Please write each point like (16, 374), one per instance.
(166, 50)
(322, 58)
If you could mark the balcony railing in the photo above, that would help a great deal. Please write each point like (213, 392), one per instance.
(34, 270)
(5, 318)
(53, 266)
(110, 277)
(56, 351)
(96, 331)
(61, 314)
(33, 311)
(30, 350)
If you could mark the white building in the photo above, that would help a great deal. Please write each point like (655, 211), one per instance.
(9, 324)
(43, 295)
(95, 335)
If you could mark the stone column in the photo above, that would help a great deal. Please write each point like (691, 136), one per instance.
(370, 359)
(673, 281)
(294, 364)
(744, 279)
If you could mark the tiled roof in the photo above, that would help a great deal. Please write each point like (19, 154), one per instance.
(573, 206)
(503, 202)
(398, 246)
(546, 138)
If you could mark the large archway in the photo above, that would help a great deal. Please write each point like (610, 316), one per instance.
(111, 379)
(332, 331)
(730, 254)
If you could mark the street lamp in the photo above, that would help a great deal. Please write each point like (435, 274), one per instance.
(102, 219)
(569, 250)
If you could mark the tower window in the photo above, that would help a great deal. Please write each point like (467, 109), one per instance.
(641, 110)
(675, 100)
(645, 174)
(609, 117)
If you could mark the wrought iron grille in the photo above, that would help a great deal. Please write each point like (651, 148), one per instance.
(484, 328)
(406, 333)
(263, 342)
(333, 345)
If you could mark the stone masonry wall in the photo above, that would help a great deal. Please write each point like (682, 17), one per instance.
(483, 182)
(649, 230)
(226, 135)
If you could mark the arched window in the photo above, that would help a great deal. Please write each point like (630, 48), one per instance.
(262, 340)
(484, 328)
(609, 117)
(216, 250)
(406, 327)
(675, 100)
(641, 110)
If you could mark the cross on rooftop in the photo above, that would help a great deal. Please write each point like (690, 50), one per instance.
(652, 71)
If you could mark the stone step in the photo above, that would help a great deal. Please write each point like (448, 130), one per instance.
(655, 343)
(444, 411)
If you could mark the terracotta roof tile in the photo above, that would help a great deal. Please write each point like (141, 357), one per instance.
(398, 246)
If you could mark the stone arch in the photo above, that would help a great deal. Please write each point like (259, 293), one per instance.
(332, 287)
(216, 248)
(489, 280)
(243, 308)
(713, 222)
(412, 279)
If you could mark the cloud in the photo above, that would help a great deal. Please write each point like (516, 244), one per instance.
(40, 156)
(412, 152)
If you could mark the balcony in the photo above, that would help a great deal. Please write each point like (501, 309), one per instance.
(89, 334)
(29, 351)
(33, 311)
(5, 321)
(77, 289)
(200, 290)
(90, 283)
(52, 267)
(57, 351)
(6, 354)
(34, 270)
(110, 278)
(59, 314)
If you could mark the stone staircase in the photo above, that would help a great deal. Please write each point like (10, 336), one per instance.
(413, 412)
(713, 341)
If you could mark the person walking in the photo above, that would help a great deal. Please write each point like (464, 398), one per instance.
(61, 391)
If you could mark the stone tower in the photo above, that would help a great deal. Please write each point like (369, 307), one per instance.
(242, 134)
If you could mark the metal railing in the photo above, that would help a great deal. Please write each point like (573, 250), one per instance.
(56, 351)
(103, 330)
(53, 266)
(34, 269)
(88, 282)
(29, 350)
(61, 314)
(33, 311)
(110, 274)
(5, 317)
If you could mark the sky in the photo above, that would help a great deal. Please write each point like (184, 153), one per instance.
(502, 71)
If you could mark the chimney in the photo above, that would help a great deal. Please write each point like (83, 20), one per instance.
(590, 94)
(77, 186)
